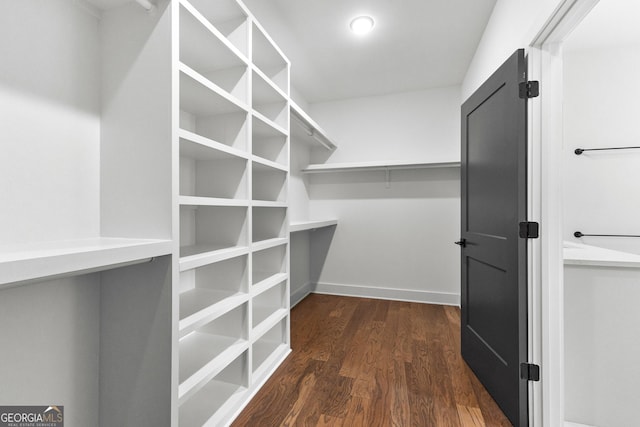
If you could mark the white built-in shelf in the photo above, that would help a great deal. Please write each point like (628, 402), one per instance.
(363, 166)
(211, 404)
(264, 90)
(204, 305)
(268, 282)
(580, 254)
(200, 96)
(19, 263)
(269, 243)
(202, 357)
(305, 129)
(265, 318)
(260, 163)
(195, 201)
(268, 204)
(311, 224)
(266, 355)
(199, 147)
(193, 40)
(199, 255)
(264, 119)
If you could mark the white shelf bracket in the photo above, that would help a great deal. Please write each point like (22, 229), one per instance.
(387, 172)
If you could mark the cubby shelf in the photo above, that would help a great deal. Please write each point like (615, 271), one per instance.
(20, 263)
(212, 404)
(268, 204)
(202, 357)
(265, 318)
(269, 354)
(202, 305)
(267, 165)
(364, 166)
(270, 122)
(268, 282)
(270, 243)
(202, 148)
(213, 30)
(199, 95)
(212, 201)
(311, 224)
(307, 131)
(197, 256)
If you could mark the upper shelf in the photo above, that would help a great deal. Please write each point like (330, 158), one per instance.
(348, 167)
(307, 130)
(311, 224)
(580, 254)
(55, 259)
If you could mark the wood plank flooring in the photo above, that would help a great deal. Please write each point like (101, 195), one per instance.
(366, 362)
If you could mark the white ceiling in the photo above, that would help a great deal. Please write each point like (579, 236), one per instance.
(416, 44)
(610, 23)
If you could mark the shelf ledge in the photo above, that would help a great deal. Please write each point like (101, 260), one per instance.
(312, 132)
(386, 166)
(311, 225)
(26, 263)
(580, 254)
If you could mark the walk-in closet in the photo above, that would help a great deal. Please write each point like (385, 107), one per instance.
(283, 212)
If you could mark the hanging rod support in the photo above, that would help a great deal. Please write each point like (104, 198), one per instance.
(146, 4)
(579, 151)
(579, 234)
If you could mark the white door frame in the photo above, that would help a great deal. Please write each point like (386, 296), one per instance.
(546, 295)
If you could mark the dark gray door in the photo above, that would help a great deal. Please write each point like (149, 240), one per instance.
(494, 265)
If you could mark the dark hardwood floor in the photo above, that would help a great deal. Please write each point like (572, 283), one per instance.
(366, 362)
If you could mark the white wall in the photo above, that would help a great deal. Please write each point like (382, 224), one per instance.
(49, 117)
(601, 188)
(513, 25)
(50, 334)
(392, 242)
(411, 126)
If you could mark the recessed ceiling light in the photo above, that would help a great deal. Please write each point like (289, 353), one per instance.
(361, 24)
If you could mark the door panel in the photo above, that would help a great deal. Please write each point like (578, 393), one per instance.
(494, 287)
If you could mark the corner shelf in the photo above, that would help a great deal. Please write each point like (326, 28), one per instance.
(307, 130)
(64, 258)
(311, 224)
(373, 166)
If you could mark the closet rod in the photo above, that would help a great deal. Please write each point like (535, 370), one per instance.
(579, 151)
(579, 234)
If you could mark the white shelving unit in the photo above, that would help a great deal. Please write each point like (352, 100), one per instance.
(171, 146)
(233, 144)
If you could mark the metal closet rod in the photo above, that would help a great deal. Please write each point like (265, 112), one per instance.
(579, 234)
(579, 151)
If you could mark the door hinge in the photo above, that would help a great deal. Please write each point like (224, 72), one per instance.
(529, 89)
(530, 372)
(529, 230)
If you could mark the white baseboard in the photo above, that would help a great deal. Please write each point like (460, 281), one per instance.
(409, 295)
(301, 293)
